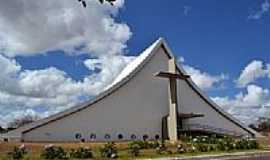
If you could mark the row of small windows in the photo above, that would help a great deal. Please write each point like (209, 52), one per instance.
(120, 136)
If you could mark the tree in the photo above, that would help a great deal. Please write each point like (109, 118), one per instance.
(253, 126)
(2, 130)
(19, 122)
(101, 1)
(262, 125)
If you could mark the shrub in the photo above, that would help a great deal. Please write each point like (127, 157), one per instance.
(201, 147)
(134, 149)
(243, 144)
(211, 148)
(253, 144)
(225, 144)
(146, 144)
(109, 150)
(186, 138)
(221, 145)
(195, 147)
(246, 144)
(17, 153)
(213, 139)
(201, 139)
(195, 140)
(153, 144)
(143, 144)
(191, 148)
(181, 148)
(239, 144)
(53, 152)
(81, 153)
(162, 149)
(229, 143)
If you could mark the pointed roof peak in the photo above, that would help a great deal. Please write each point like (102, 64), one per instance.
(161, 39)
(136, 62)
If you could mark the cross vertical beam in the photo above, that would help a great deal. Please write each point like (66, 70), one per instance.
(173, 111)
(172, 119)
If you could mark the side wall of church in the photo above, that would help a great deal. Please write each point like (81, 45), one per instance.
(135, 109)
(190, 101)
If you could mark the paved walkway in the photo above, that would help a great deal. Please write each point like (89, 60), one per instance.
(262, 155)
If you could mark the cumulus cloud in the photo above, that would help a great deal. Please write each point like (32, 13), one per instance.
(181, 59)
(254, 96)
(265, 6)
(51, 90)
(254, 102)
(47, 91)
(203, 79)
(249, 105)
(254, 70)
(30, 27)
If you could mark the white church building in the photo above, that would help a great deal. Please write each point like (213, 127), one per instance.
(152, 98)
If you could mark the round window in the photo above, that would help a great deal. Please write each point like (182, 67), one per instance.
(145, 137)
(93, 136)
(133, 136)
(78, 135)
(120, 136)
(107, 136)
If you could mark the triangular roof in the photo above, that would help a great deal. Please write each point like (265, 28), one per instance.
(126, 74)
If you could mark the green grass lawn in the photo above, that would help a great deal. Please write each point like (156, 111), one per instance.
(123, 155)
(123, 152)
(35, 150)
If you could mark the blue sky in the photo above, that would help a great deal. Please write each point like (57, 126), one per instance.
(218, 40)
(215, 36)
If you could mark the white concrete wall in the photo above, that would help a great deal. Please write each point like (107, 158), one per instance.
(136, 108)
(189, 101)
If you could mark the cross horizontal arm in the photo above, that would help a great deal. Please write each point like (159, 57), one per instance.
(189, 115)
(171, 75)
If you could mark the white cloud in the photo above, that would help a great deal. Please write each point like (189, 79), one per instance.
(247, 106)
(265, 7)
(30, 27)
(51, 89)
(181, 59)
(203, 79)
(254, 70)
(254, 96)
(251, 104)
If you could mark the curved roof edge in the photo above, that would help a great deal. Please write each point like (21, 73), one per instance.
(126, 74)
(120, 80)
(209, 101)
